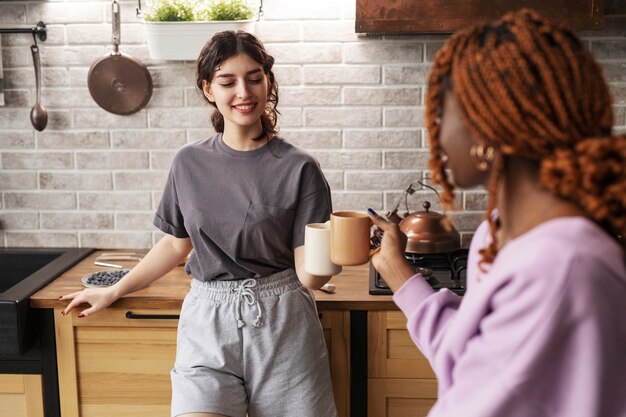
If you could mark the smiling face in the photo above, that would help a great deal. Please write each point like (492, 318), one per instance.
(456, 141)
(239, 89)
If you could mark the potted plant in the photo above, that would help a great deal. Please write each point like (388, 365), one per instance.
(177, 29)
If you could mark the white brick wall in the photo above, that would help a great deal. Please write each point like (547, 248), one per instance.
(356, 103)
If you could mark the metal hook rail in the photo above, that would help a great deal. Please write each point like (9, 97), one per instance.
(38, 31)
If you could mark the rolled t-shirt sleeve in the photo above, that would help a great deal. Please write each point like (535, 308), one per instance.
(168, 217)
(314, 205)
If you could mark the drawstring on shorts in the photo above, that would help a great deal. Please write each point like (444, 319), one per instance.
(245, 291)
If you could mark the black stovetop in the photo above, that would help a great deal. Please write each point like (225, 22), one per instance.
(448, 270)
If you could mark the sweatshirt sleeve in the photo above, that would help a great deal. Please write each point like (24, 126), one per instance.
(428, 312)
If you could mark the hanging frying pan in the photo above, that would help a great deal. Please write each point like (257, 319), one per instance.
(119, 83)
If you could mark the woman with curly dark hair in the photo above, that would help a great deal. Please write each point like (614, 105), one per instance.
(520, 106)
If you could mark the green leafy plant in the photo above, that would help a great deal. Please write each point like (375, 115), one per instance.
(197, 10)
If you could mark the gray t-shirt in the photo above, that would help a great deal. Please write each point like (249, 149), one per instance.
(245, 211)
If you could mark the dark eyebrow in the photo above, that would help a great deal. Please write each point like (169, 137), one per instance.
(254, 71)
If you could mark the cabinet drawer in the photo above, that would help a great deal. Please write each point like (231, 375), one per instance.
(400, 397)
(391, 352)
(21, 396)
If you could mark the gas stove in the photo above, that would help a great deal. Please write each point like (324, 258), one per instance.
(447, 270)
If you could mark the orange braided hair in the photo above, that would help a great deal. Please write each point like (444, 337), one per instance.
(529, 88)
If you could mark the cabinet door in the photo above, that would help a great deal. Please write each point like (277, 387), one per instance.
(336, 325)
(110, 365)
(21, 396)
(401, 382)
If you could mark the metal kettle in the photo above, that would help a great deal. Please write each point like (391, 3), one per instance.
(427, 231)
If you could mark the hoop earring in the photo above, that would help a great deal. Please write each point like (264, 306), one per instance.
(482, 155)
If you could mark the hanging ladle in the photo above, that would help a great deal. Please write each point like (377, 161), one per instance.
(38, 114)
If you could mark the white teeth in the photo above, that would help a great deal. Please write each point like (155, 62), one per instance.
(245, 108)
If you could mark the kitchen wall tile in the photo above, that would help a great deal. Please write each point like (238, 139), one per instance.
(466, 220)
(176, 118)
(143, 180)
(334, 179)
(431, 50)
(368, 51)
(63, 55)
(17, 56)
(99, 118)
(406, 74)
(11, 118)
(112, 160)
(614, 72)
(288, 75)
(289, 117)
(25, 77)
(134, 221)
(76, 12)
(195, 135)
(405, 159)
(404, 117)
(193, 97)
(619, 94)
(313, 138)
(348, 159)
(290, 10)
(18, 180)
(342, 117)
(116, 240)
(272, 31)
(381, 180)
(305, 53)
(382, 138)
(75, 181)
(336, 74)
(15, 220)
(13, 14)
(329, 31)
(17, 139)
(390, 96)
(34, 200)
(18, 98)
(75, 140)
(59, 119)
(609, 49)
(43, 239)
(357, 200)
(619, 116)
(415, 201)
(114, 200)
(76, 221)
(173, 75)
(309, 96)
(475, 200)
(148, 139)
(101, 33)
(161, 159)
(37, 160)
(67, 97)
(77, 77)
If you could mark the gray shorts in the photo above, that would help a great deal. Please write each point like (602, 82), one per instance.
(252, 346)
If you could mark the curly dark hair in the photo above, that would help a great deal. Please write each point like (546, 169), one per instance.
(530, 88)
(225, 45)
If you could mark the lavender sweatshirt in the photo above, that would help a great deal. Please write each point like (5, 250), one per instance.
(542, 333)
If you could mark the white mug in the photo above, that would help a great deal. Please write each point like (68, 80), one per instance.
(317, 250)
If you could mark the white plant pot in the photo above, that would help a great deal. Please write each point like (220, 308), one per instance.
(184, 40)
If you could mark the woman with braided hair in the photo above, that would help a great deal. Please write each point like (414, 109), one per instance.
(520, 106)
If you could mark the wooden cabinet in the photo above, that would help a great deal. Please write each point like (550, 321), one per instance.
(21, 396)
(401, 382)
(111, 365)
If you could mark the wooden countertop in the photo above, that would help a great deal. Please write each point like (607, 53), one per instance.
(168, 292)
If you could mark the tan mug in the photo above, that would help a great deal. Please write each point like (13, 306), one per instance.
(317, 250)
(350, 238)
